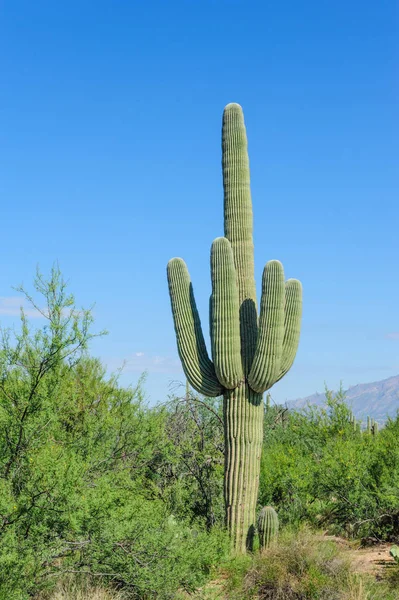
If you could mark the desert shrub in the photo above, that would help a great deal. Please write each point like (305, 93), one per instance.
(302, 566)
(316, 468)
(97, 485)
(135, 547)
(190, 477)
(82, 464)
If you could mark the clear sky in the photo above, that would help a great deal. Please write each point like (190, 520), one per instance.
(110, 118)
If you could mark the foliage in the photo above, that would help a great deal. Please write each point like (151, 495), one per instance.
(190, 477)
(302, 566)
(81, 464)
(97, 486)
(316, 467)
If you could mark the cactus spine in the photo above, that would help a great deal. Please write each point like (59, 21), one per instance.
(267, 526)
(248, 355)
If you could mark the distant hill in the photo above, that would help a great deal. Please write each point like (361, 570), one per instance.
(379, 399)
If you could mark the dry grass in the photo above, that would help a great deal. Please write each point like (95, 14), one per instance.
(356, 589)
(302, 566)
(72, 590)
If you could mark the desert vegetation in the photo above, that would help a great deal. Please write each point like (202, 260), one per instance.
(103, 496)
(211, 493)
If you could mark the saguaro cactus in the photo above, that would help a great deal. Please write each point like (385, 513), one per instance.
(249, 355)
(267, 526)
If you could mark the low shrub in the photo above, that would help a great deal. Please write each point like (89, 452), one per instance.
(317, 468)
(303, 566)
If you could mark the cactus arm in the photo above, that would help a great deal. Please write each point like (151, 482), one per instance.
(267, 360)
(197, 366)
(225, 323)
(238, 224)
(292, 324)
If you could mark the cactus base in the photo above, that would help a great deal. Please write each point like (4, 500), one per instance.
(243, 426)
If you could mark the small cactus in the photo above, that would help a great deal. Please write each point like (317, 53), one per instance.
(368, 425)
(267, 526)
(394, 552)
(352, 420)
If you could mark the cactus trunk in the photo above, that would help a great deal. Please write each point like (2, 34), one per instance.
(243, 424)
(248, 354)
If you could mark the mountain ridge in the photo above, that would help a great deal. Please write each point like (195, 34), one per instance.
(378, 399)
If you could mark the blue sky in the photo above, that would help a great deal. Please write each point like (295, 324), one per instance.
(110, 116)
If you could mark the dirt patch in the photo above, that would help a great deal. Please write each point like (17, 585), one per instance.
(373, 560)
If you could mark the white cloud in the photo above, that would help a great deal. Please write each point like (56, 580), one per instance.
(394, 335)
(10, 306)
(138, 362)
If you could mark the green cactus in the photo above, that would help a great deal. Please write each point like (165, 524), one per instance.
(352, 420)
(394, 552)
(267, 527)
(368, 425)
(248, 355)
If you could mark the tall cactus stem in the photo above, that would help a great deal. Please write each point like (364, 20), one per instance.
(243, 420)
(247, 357)
(238, 224)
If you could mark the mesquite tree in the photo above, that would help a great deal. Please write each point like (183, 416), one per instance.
(249, 354)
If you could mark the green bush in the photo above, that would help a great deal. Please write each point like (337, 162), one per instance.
(82, 469)
(96, 485)
(302, 566)
(315, 467)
